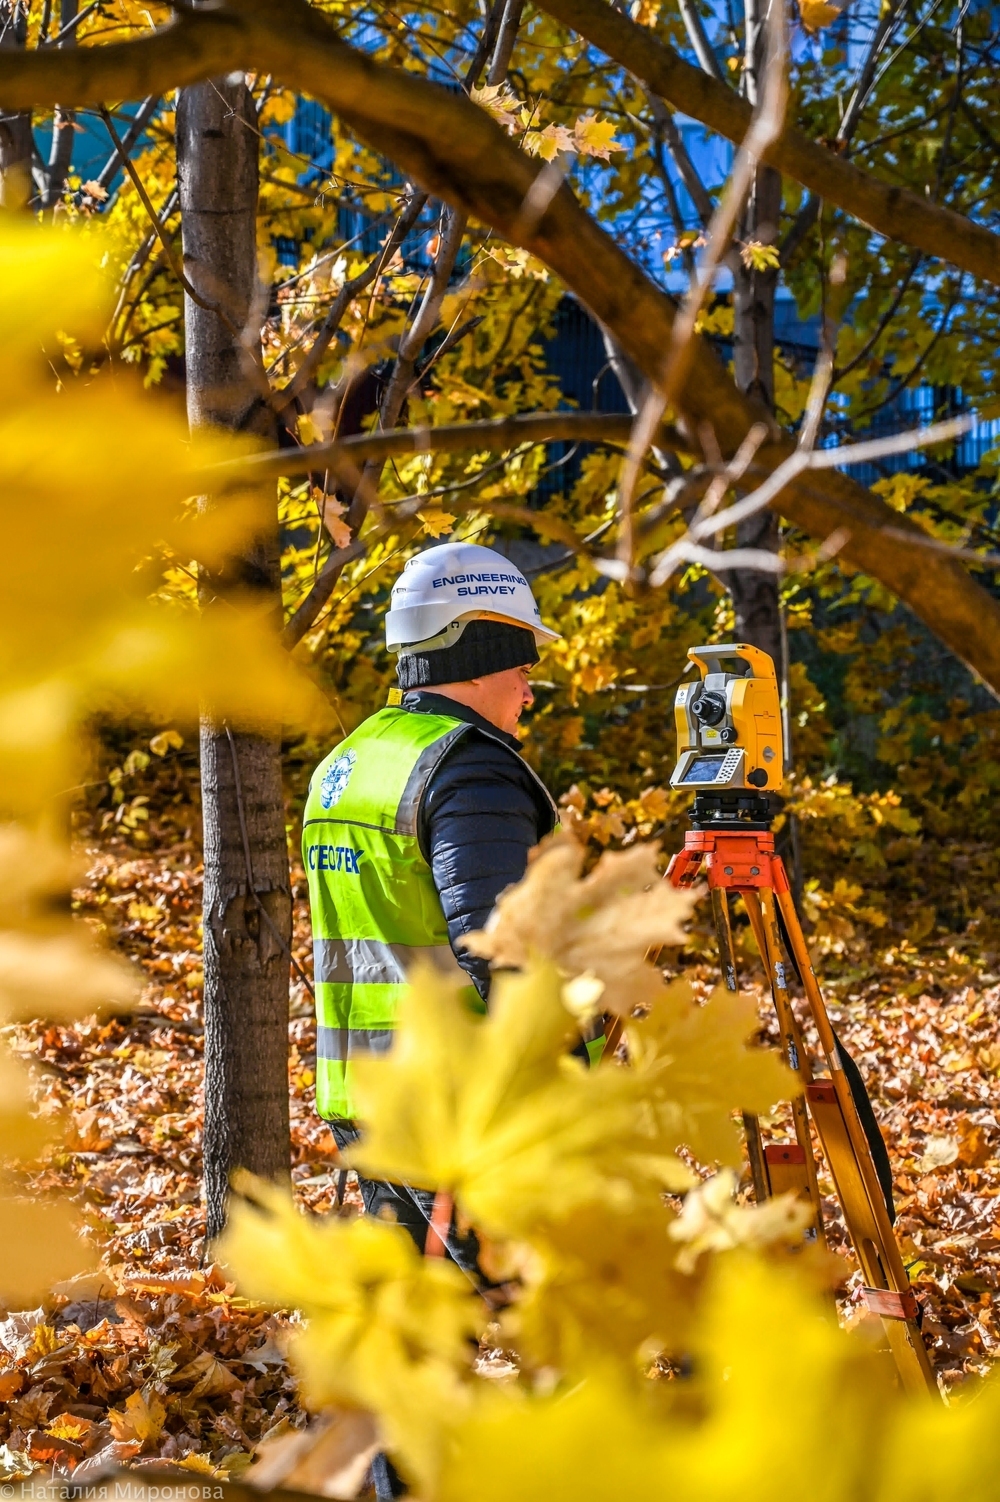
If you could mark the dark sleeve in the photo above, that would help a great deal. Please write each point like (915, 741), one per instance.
(481, 814)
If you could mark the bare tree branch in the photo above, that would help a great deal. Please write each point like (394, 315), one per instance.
(667, 126)
(866, 74)
(494, 435)
(140, 120)
(805, 458)
(161, 234)
(509, 25)
(765, 127)
(896, 213)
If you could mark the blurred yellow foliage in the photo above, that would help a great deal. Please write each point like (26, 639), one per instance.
(386, 1328)
(599, 925)
(96, 481)
(492, 1111)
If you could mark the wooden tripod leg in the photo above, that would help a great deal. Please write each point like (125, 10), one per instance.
(724, 938)
(760, 904)
(727, 959)
(853, 1171)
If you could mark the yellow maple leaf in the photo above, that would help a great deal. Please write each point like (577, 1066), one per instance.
(582, 1298)
(548, 143)
(309, 430)
(68, 1426)
(333, 510)
(594, 137)
(816, 14)
(712, 1221)
(759, 257)
(166, 740)
(696, 1069)
(437, 523)
(141, 1419)
(602, 924)
(498, 101)
(493, 1111)
(200, 1464)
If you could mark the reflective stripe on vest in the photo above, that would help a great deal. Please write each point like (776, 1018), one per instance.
(373, 962)
(374, 905)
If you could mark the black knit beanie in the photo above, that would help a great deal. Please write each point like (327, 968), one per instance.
(484, 647)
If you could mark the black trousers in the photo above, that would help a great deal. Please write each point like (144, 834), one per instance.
(410, 1208)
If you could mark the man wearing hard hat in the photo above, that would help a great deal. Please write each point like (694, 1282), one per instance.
(418, 821)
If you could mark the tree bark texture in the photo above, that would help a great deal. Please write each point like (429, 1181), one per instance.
(16, 141)
(247, 897)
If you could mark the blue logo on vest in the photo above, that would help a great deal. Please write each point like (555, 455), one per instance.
(335, 779)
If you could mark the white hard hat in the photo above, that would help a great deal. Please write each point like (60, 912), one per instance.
(459, 581)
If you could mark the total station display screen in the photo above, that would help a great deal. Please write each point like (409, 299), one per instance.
(704, 768)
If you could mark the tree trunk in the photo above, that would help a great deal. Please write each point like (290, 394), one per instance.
(756, 604)
(63, 125)
(247, 898)
(16, 140)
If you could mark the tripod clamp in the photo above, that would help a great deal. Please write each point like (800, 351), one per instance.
(733, 860)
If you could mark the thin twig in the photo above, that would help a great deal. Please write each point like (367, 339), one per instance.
(796, 463)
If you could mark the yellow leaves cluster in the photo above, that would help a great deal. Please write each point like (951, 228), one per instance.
(589, 136)
(386, 1328)
(491, 1111)
(901, 490)
(95, 481)
(561, 1171)
(561, 1167)
(599, 926)
(778, 1403)
(756, 256)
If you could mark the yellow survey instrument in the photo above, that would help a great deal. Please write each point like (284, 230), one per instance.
(729, 722)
